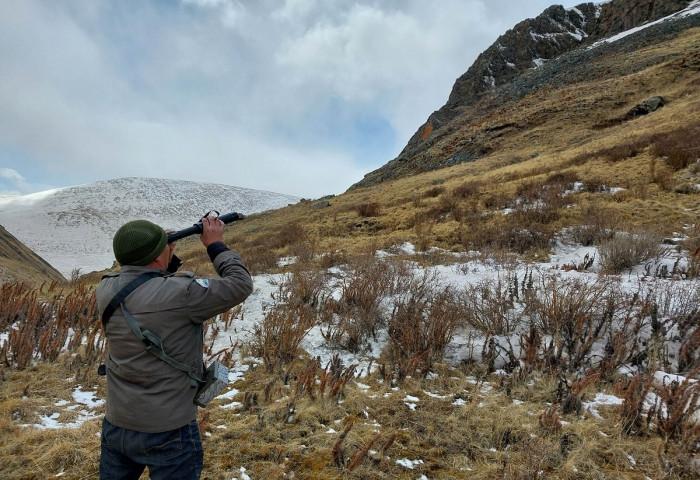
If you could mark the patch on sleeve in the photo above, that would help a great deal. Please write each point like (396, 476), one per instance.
(203, 282)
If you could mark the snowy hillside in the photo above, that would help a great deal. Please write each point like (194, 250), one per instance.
(73, 227)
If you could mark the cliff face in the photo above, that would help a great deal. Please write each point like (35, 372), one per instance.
(526, 47)
(620, 15)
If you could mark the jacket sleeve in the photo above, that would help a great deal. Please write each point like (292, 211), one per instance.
(207, 297)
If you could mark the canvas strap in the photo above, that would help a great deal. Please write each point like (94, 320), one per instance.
(124, 292)
(153, 343)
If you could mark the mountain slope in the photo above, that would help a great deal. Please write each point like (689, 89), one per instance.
(558, 48)
(19, 263)
(72, 228)
(562, 151)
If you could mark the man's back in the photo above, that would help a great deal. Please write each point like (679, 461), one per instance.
(141, 386)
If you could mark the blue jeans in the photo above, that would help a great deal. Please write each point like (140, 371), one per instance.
(173, 455)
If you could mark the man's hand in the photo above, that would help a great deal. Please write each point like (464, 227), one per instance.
(174, 261)
(212, 230)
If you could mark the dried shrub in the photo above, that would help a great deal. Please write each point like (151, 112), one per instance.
(337, 452)
(449, 205)
(42, 324)
(361, 453)
(336, 376)
(520, 237)
(676, 408)
(633, 404)
(369, 209)
(462, 211)
(358, 315)
(259, 259)
(564, 180)
(290, 234)
(423, 231)
(305, 286)
(692, 245)
(439, 211)
(570, 395)
(303, 252)
(680, 459)
(525, 229)
(550, 420)
(685, 188)
(581, 159)
(489, 305)
(678, 310)
(624, 151)
(434, 192)
(286, 322)
(496, 201)
(529, 190)
(596, 224)
(530, 344)
(527, 226)
(675, 417)
(595, 184)
(467, 190)
(421, 325)
(626, 250)
(662, 175)
(679, 148)
(574, 315)
(689, 351)
(616, 153)
(327, 383)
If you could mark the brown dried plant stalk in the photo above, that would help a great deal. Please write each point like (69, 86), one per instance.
(361, 453)
(337, 451)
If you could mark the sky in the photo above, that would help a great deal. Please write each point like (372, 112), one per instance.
(301, 97)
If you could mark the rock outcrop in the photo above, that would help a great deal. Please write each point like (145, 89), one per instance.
(527, 47)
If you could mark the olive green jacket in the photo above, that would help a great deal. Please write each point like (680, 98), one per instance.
(143, 392)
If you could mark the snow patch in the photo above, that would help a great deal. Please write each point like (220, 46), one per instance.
(692, 9)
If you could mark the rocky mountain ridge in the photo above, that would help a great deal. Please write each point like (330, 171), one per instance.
(502, 72)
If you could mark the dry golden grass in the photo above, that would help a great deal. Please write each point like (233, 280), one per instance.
(560, 132)
(505, 428)
(495, 432)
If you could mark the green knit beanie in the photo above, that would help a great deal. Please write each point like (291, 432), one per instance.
(138, 242)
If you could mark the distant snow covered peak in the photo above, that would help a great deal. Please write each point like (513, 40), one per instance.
(28, 199)
(72, 227)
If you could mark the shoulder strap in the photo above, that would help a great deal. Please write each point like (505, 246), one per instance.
(155, 345)
(124, 292)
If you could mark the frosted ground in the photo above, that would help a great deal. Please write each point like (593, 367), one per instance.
(469, 269)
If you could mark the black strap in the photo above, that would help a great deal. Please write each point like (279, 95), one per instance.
(124, 292)
(151, 340)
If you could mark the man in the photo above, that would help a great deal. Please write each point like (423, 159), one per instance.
(151, 419)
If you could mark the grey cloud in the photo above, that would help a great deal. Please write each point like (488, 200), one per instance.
(261, 92)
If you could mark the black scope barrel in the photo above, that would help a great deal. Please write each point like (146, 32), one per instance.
(197, 227)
